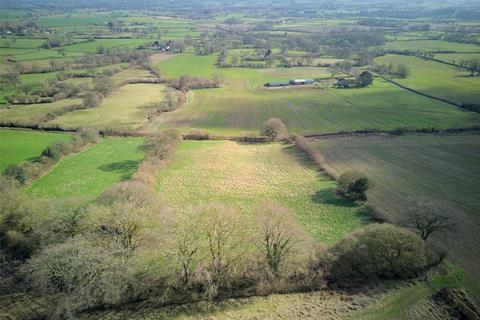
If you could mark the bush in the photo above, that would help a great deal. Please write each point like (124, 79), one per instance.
(18, 173)
(353, 185)
(88, 135)
(53, 151)
(91, 100)
(274, 129)
(379, 251)
(80, 274)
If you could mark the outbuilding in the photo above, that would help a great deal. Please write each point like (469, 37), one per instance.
(301, 81)
(277, 84)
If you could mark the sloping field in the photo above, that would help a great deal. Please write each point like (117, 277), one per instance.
(91, 171)
(125, 108)
(33, 112)
(245, 176)
(443, 168)
(17, 146)
(241, 106)
(437, 79)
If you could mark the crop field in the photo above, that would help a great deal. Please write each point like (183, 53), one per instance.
(241, 106)
(125, 108)
(405, 168)
(245, 176)
(17, 146)
(91, 171)
(432, 46)
(29, 112)
(437, 79)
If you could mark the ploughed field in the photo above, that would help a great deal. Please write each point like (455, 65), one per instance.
(402, 169)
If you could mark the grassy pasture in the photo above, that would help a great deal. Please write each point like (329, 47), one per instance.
(40, 54)
(91, 171)
(17, 146)
(31, 112)
(242, 104)
(432, 45)
(244, 176)
(437, 79)
(443, 168)
(125, 108)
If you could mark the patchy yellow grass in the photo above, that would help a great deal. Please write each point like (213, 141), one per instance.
(246, 175)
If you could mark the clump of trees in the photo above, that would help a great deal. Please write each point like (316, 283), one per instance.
(274, 129)
(399, 71)
(157, 151)
(186, 82)
(472, 65)
(354, 185)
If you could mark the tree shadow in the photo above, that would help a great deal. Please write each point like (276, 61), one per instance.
(299, 156)
(125, 168)
(330, 196)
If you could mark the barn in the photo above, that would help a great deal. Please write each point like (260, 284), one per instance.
(277, 84)
(301, 81)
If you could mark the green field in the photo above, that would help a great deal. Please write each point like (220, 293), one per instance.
(432, 46)
(456, 57)
(441, 168)
(437, 79)
(245, 176)
(91, 171)
(243, 107)
(17, 146)
(125, 108)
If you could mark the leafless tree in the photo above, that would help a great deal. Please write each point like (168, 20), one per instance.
(277, 234)
(428, 218)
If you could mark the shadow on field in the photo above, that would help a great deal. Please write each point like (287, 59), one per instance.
(125, 168)
(298, 156)
(329, 196)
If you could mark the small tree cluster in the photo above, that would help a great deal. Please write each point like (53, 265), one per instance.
(379, 251)
(353, 185)
(274, 129)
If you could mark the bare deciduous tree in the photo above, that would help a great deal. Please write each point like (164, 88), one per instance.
(187, 243)
(428, 218)
(277, 234)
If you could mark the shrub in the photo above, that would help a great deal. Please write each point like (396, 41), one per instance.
(91, 100)
(89, 135)
(80, 274)
(17, 172)
(274, 129)
(353, 185)
(378, 251)
(53, 151)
